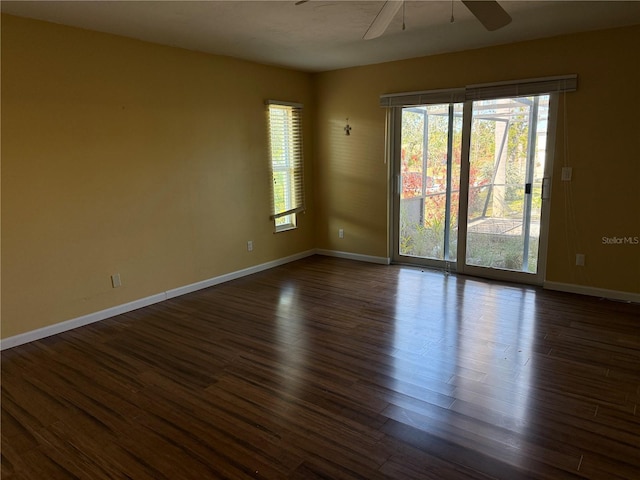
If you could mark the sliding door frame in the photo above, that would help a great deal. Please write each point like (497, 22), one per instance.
(394, 134)
(496, 273)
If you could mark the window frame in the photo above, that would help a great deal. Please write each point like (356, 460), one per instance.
(285, 157)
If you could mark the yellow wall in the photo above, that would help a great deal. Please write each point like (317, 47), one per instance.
(603, 143)
(120, 156)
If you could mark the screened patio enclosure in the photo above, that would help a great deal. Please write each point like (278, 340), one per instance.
(506, 167)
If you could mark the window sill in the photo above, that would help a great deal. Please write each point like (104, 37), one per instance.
(285, 228)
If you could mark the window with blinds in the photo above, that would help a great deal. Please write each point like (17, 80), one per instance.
(285, 148)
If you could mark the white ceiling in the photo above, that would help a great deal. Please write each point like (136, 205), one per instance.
(323, 35)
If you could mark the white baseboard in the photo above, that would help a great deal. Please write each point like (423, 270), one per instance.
(44, 332)
(194, 287)
(593, 291)
(354, 256)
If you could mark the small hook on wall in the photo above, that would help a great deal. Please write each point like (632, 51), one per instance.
(347, 128)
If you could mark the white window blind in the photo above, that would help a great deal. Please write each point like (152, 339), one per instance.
(522, 88)
(285, 147)
(513, 88)
(427, 97)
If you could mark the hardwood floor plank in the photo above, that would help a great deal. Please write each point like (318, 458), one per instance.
(452, 452)
(329, 368)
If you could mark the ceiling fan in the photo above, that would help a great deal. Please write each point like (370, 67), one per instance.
(488, 12)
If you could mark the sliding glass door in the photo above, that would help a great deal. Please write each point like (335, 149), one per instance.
(480, 161)
(506, 170)
(429, 182)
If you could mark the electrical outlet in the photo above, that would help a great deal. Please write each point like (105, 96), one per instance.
(341, 233)
(580, 259)
(115, 280)
(250, 246)
(566, 174)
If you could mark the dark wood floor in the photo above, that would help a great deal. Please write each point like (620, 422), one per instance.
(328, 368)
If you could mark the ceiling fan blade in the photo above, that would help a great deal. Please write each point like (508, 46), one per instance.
(490, 13)
(383, 19)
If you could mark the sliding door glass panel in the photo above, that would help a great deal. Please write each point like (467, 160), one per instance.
(429, 174)
(506, 167)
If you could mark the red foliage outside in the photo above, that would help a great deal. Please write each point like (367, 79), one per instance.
(434, 193)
